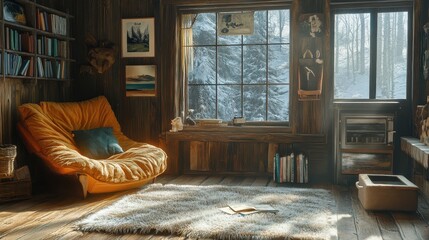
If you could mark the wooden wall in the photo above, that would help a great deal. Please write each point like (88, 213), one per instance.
(138, 116)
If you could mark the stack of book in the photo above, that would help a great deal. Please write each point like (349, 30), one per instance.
(51, 47)
(16, 65)
(290, 168)
(19, 41)
(50, 68)
(51, 22)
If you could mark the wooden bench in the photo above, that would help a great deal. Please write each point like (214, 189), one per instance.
(415, 149)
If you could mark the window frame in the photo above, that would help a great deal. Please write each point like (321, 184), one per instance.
(374, 8)
(265, 124)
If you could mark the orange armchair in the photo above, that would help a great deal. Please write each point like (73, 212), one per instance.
(47, 132)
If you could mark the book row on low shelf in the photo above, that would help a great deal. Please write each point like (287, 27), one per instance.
(291, 168)
(16, 65)
(51, 22)
(51, 68)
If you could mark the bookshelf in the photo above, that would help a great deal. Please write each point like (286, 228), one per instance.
(36, 46)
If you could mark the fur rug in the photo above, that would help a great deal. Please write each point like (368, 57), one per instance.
(193, 211)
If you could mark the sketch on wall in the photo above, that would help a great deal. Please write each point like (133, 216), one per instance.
(236, 23)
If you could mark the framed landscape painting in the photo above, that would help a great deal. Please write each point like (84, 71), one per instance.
(140, 80)
(138, 37)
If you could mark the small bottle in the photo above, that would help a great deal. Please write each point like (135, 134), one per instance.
(188, 120)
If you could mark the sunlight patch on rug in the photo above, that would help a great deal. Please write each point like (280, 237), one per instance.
(193, 211)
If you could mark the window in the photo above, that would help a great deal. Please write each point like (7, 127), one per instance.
(229, 76)
(371, 54)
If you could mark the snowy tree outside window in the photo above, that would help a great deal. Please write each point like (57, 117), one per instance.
(357, 75)
(239, 75)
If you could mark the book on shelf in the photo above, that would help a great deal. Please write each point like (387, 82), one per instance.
(7, 43)
(40, 68)
(41, 21)
(246, 209)
(30, 71)
(17, 65)
(24, 68)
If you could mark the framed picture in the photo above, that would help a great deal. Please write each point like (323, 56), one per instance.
(235, 23)
(140, 80)
(14, 12)
(138, 37)
(311, 24)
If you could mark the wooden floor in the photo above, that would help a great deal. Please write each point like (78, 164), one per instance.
(49, 216)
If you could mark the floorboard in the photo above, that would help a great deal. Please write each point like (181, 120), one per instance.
(366, 222)
(50, 216)
(213, 180)
(387, 226)
(260, 181)
(346, 228)
(248, 181)
(232, 181)
(405, 223)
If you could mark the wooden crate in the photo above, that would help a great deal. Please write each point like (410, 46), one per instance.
(15, 190)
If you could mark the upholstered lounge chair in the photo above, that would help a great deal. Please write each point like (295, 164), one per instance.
(47, 132)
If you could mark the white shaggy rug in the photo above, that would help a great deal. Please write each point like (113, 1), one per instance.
(193, 211)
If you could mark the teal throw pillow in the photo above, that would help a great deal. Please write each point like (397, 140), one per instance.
(97, 143)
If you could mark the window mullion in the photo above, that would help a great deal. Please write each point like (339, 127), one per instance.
(242, 76)
(216, 66)
(266, 68)
(373, 56)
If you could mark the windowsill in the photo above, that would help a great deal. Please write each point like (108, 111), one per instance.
(242, 128)
(370, 105)
(367, 101)
(268, 134)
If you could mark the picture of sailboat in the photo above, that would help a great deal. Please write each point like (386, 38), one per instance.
(138, 37)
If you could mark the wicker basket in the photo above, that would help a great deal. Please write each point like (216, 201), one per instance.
(7, 157)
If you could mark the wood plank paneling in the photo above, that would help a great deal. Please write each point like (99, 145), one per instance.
(199, 156)
(138, 116)
(219, 156)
